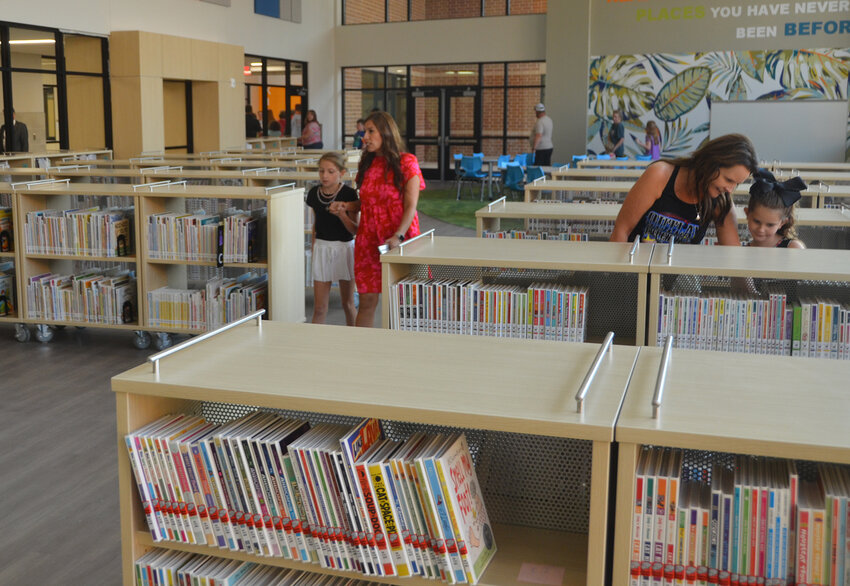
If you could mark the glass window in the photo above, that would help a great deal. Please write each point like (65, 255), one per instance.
(442, 9)
(396, 77)
(275, 72)
(372, 77)
(493, 111)
(83, 54)
(528, 6)
(520, 106)
(493, 74)
(253, 70)
(364, 11)
(496, 7)
(352, 78)
(267, 8)
(529, 73)
(85, 112)
(32, 49)
(397, 10)
(296, 73)
(444, 75)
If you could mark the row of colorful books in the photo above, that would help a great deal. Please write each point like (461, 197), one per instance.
(540, 311)
(756, 521)
(79, 232)
(769, 325)
(98, 295)
(202, 237)
(221, 301)
(160, 567)
(537, 235)
(7, 288)
(343, 497)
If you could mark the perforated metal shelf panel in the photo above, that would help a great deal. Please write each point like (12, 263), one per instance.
(528, 480)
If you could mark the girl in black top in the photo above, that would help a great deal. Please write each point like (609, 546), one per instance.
(333, 238)
(678, 199)
(770, 211)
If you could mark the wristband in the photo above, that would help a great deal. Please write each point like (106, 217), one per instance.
(400, 238)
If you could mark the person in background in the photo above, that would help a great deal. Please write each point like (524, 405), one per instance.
(652, 140)
(358, 136)
(274, 128)
(614, 144)
(678, 199)
(252, 125)
(311, 134)
(770, 211)
(281, 121)
(389, 180)
(541, 137)
(19, 135)
(295, 122)
(333, 238)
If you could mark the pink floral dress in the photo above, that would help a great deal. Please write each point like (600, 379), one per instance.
(381, 208)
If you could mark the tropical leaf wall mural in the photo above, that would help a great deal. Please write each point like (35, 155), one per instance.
(677, 90)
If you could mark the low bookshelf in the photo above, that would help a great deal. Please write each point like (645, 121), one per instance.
(542, 465)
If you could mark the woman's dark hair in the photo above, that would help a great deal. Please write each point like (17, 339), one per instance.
(391, 148)
(704, 165)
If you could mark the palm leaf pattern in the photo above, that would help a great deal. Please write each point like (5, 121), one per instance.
(619, 82)
(821, 70)
(679, 139)
(682, 93)
(662, 62)
(752, 62)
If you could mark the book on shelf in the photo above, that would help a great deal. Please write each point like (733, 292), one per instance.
(271, 486)
(538, 234)
(7, 288)
(79, 232)
(7, 233)
(754, 519)
(540, 311)
(99, 295)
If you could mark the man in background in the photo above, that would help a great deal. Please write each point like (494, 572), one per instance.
(295, 122)
(20, 137)
(541, 137)
(252, 125)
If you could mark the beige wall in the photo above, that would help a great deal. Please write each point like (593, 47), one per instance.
(140, 63)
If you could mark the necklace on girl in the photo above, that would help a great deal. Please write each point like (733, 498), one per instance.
(326, 199)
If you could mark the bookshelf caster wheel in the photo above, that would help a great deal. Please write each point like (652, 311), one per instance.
(141, 340)
(43, 333)
(22, 333)
(162, 340)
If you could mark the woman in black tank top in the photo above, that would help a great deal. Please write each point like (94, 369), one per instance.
(678, 199)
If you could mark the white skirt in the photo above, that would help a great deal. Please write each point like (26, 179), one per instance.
(333, 260)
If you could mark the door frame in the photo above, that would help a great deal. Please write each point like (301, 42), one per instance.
(443, 140)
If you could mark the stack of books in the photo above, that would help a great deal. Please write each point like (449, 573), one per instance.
(79, 232)
(537, 235)
(101, 296)
(341, 497)
(539, 311)
(7, 233)
(7, 288)
(202, 237)
(755, 521)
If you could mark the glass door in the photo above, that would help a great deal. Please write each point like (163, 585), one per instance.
(442, 122)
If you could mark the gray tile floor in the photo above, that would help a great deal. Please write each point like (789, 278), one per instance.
(59, 521)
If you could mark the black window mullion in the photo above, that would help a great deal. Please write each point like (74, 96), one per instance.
(190, 127)
(62, 90)
(6, 62)
(107, 93)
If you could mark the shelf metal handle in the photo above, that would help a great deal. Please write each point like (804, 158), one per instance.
(670, 252)
(151, 185)
(661, 380)
(153, 169)
(155, 358)
(492, 203)
(634, 249)
(591, 373)
(414, 239)
(271, 188)
(254, 170)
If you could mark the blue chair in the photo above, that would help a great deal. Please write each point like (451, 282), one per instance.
(605, 157)
(534, 173)
(479, 155)
(577, 158)
(643, 158)
(622, 158)
(470, 170)
(521, 159)
(500, 166)
(514, 179)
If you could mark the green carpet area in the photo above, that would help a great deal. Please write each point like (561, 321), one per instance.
(440, 202)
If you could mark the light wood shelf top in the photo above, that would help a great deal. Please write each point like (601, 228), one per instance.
(590, 163)
(10, 254)
(535, 254)
(745, 261)
(587, 173)
(516, 546)
(777, 406)
(170, 191)
(425, 378)
(609, 211)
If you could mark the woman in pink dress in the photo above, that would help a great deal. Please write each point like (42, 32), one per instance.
(389, 181)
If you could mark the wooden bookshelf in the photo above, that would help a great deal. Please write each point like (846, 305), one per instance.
(809, 221)
(611, 190)
(607, 174)
(282, 260)
(779, 407)
(610, 163)
(783, 264)
(604, 266)
(289, 370)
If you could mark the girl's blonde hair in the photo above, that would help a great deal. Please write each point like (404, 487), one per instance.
(652, 130)
(335, 158)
